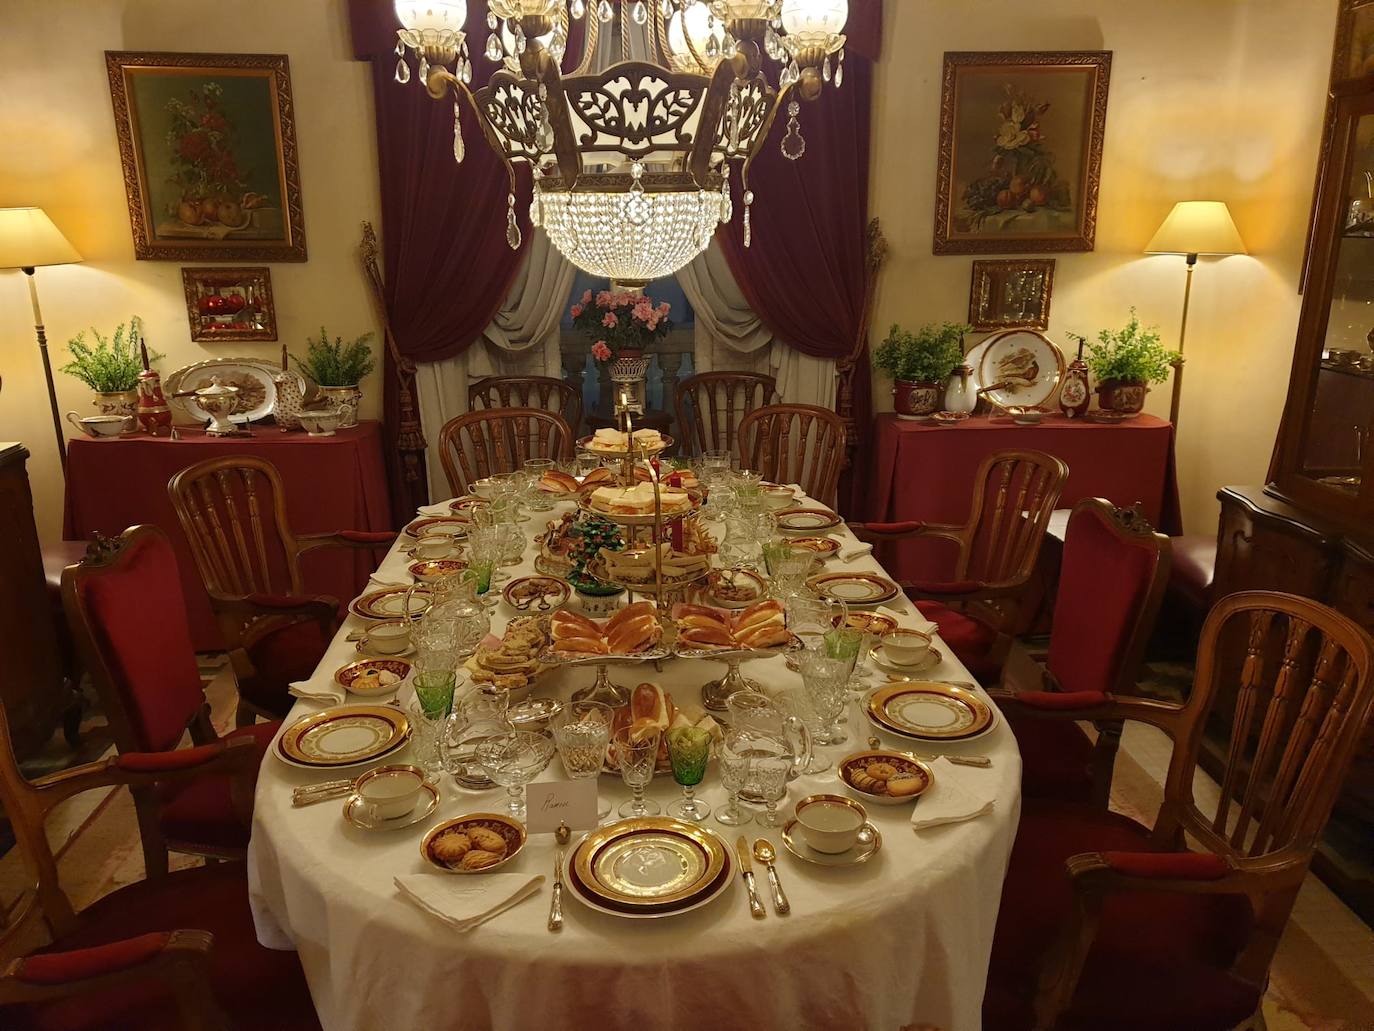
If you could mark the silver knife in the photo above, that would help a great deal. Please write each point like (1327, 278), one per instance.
(746, 865)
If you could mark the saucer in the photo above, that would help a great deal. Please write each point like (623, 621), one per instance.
(933, 658)
(352, 812)
(407, 650)
(870, 841)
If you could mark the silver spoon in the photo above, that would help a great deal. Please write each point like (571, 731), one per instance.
(764, 853)
(556, 900)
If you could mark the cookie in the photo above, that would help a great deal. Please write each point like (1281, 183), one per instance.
(864, 782)
(450, 848)
(487, 840)
(479, 859)
(902, 786)
(881, 770)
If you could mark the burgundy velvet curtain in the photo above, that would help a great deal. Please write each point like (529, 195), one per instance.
(446, 263)
(805, 270)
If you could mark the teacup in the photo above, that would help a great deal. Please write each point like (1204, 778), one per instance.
(776, 498)
(390, 792)
(100, 425)
(483, 488)
(434, 545)
(905, 647)
(320, 423)
(830, 823)
(387, 638)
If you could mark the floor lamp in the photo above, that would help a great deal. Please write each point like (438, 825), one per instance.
(1194, 227)
(29, 239)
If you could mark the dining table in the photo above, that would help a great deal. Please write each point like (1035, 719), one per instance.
(899, 942)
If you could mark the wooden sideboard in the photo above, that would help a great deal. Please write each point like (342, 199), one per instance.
(33, 690)
(1266, 543)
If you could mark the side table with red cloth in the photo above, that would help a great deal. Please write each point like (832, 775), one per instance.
(925, 471)
(332, 483)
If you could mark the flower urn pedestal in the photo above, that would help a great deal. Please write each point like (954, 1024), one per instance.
(1116, 395)
(629, 372)
(345, 401)
(916, 400)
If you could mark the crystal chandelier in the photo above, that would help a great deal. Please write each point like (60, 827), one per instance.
(630, 164)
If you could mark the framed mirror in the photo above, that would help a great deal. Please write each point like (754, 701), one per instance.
(1011, 294)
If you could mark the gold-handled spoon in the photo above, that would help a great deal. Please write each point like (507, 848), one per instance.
(980, 761)
(556, 901)
(765, 854)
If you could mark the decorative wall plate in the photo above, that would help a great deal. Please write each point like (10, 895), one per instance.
(1028, 363)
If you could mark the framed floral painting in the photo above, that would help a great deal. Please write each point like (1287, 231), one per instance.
(208, 143)
(1020, 151)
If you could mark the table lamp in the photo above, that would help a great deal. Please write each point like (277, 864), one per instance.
(1194, 227)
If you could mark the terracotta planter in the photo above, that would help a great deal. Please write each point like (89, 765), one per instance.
(116, 402)
(1116, 395)
(345, 401)
(916, 400)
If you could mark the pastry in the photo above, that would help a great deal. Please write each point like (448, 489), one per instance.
(450, 848)
(488, 840)
(555, 481)
(479, 859)
(864, 782)
(881, 771)
(903, 785)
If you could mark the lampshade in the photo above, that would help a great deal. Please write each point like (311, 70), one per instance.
(28, 238)
(814, 18)
(432, 15)
(1197, 227)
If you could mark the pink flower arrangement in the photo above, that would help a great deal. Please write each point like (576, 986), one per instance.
(620, 321)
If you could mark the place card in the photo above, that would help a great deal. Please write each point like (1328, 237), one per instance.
(551, 802)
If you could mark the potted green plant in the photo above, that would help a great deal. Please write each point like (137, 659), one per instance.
(920, 363)
(110, 367)
(1126, 362)
(338, 369)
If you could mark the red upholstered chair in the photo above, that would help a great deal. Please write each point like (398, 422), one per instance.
(1112, 578)
(1105, 923)
(128, 617)
(233, 512)
(977, 612)
(171, 953)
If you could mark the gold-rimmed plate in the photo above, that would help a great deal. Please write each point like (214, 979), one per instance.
(897, 671)
(855, 589)
(345, 735)
(807, 521)
(651, 861)
(390, 603)
(665, 442)
(429, 570)
(511, 832)
(447, 526)
(463, 506)
(824, 547)
(347, 676)
(705, 896)
(929, 710)
(536, 593)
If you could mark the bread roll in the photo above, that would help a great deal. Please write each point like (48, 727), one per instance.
(639, 608)
(634, 635)
(707, 636)
(555, 481)
(766, 636)
(581, 646)
(571, 624)
(703, 623)
(690, 609)
(769, 611)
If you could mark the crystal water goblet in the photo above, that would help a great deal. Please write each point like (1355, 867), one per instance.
(582, 734)
(512, 761)
(845, 643)
(767, 778)
(825, 680)
(689, 750)
(534, 468)
(734, 771)
(637, 757)
(426, 737)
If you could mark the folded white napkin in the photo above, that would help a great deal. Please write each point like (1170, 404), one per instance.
(795, 488)
(913, 621)
(318, 689)
(856, 550)
(957, 793)
(439, 508)
(465, 902)
(391, 579)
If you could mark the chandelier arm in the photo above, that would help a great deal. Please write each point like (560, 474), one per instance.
(445, 79)
(589, 41)
(712, 114)
(565, 151)
(762, 138)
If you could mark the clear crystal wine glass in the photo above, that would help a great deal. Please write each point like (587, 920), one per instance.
(513, 760)
(689, 750)
(734, 769)
(637, 757)
(534, 468)
(582, 734)
(825, 680)
(768, 778)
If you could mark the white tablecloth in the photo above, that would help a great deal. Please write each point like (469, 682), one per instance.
(903, 939)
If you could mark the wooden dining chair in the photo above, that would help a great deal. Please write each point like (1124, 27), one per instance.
(978, 612)
(800, 444)
(1105, 923)
(1112, 579)
(127, 612)
(710, 406)
(478, 444)
(233, 512)
(177, 952)
(554, 395)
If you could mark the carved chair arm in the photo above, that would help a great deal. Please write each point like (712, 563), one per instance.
(1091, 705)
(179, 960)
(877, 533)
(367, 540)
(245, 619)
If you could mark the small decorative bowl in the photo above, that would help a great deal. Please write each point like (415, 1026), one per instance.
(858, 763)
(347, 675)
(510, 830)
(599, 606)
(432, 570)
(320, 423)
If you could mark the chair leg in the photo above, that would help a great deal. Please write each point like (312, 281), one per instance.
(1103, 762)
(150, 833)
(245, 715)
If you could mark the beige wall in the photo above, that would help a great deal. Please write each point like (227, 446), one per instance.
(1210, 100)
(59, 152)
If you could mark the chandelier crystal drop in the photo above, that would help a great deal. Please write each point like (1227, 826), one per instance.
(630, 165)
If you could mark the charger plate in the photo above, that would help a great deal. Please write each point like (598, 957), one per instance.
(808, 521)
(855, 588)
(390, 603)
(345, 735)
(928, 710)
(648, 909)
(649, 861)
(450, 526)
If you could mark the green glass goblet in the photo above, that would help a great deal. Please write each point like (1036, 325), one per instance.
(689, 749)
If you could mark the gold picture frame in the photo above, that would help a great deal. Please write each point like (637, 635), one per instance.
(208, 145)
(229, 304)
(1020, 157)
(1012, 293)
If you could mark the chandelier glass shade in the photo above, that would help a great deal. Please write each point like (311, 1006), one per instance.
(630, 162)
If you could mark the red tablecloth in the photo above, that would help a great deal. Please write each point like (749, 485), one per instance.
(332, 483)
(925, 471)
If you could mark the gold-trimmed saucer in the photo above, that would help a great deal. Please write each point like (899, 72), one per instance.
(869, 843)
(353, 812)
(899, 672)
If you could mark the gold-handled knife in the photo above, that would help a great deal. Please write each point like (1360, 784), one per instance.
(746, 865)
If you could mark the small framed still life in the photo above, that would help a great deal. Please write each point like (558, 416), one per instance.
(208, 144)
(225, 304)
(1020, 151)
(1012, 293)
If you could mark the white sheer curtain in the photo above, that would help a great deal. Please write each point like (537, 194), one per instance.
(521, 340)
(730, 337)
